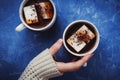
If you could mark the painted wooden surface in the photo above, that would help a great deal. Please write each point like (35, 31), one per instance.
(17, 49)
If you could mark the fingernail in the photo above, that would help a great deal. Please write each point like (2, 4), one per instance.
(60, 41)
(91, 54)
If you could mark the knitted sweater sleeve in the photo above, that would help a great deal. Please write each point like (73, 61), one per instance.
(42, 67)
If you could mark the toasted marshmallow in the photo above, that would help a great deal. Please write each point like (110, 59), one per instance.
(85, 34)
(46, 10)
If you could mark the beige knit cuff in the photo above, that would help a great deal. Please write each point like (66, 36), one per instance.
(42, 67)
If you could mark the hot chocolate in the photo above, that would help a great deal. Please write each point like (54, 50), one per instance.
(38, 13)
(80, 37)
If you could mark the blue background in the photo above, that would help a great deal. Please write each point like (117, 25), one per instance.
(18, 48)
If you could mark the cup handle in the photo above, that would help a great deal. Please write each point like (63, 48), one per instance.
(20, 27)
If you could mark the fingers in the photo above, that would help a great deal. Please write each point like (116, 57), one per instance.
(72, 66)
(83, 60)
(55, 47)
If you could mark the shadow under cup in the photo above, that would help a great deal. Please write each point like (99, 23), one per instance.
(73, 27)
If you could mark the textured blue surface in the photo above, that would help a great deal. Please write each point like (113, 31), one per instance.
(17, 49)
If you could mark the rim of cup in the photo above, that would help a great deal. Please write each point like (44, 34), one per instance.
(37, 29)
(91, 50)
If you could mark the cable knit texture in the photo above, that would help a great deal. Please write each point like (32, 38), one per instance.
(42, 67)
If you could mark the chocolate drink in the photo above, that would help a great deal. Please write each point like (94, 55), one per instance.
(73, 28)
(41, 22)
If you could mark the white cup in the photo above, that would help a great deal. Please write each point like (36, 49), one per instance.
(23, 25)
(96, 41)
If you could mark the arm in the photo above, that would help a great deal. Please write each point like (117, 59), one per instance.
(43, 66)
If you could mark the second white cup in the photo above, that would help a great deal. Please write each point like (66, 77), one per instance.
(23, 25)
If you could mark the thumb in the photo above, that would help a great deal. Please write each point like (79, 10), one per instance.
(55, 47)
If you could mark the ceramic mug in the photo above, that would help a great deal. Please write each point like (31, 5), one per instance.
(96, 40)
(23, 25)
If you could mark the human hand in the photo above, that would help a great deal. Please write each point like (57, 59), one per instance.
(70, 66)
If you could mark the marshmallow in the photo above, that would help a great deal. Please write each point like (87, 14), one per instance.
(79, 39)
(30, 14)
(85, 34)
(46, 10)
